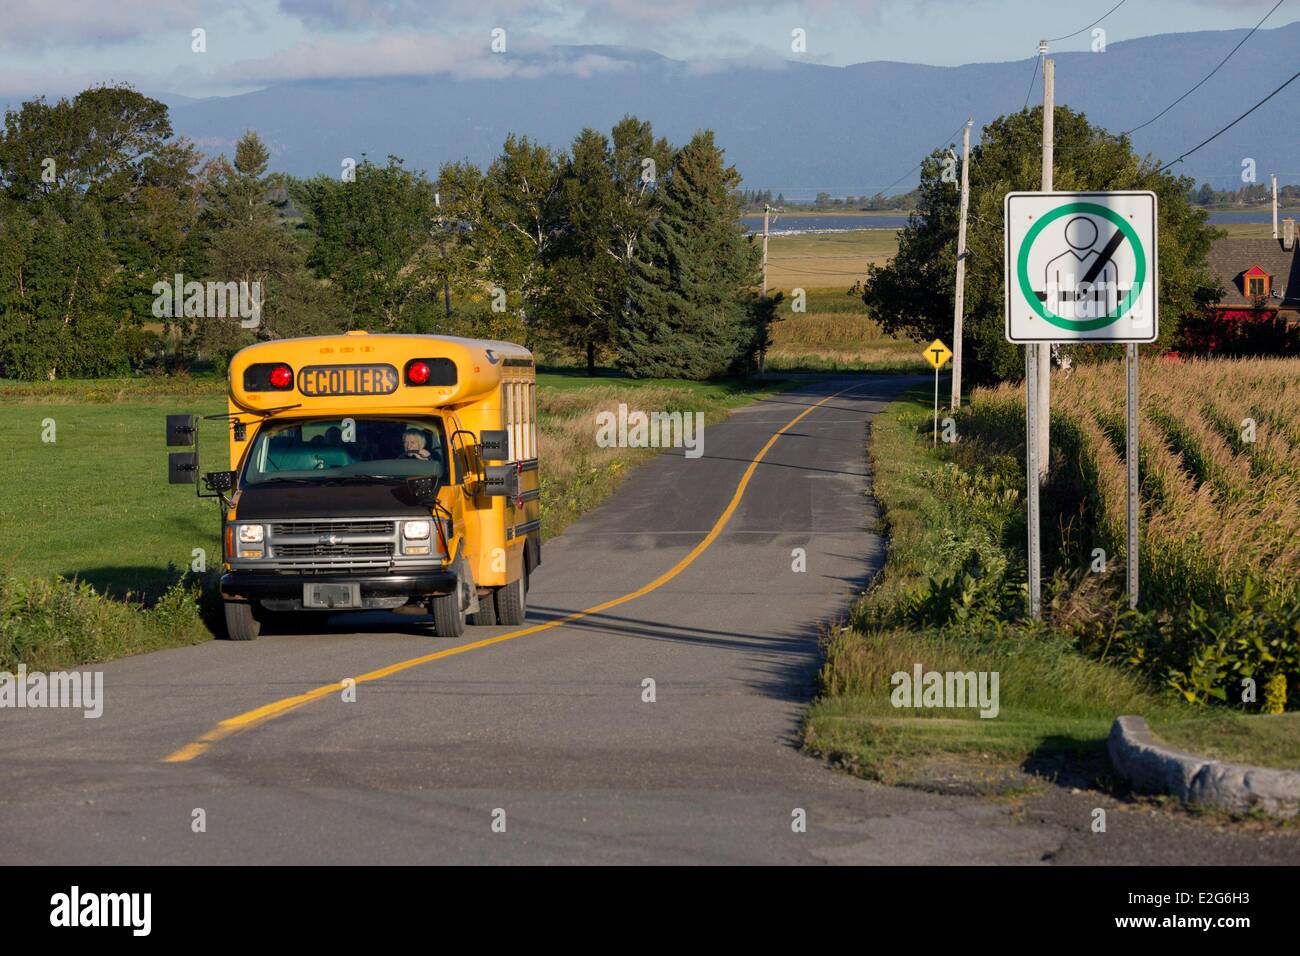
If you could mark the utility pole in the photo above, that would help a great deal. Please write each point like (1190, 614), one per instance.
(442, 246)
(767, 209)
(1275, 207)
(762, 353)
(1044, 384)
(959, 301)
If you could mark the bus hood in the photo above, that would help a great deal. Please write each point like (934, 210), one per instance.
(328, 501)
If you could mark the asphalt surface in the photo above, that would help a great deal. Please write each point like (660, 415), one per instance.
(549, 732)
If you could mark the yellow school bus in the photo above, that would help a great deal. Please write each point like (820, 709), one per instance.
(368, 472)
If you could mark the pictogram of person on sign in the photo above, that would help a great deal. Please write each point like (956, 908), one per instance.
(1083, 282)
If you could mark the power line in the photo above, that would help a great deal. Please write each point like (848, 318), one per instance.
(947, 140)
(1207, 75)
(1032, 80)
(1092, 24)
(1294, 76)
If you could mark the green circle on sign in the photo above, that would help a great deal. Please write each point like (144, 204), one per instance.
(1081, 325)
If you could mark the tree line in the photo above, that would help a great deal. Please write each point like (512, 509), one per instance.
(621, 248)
(1252, 194)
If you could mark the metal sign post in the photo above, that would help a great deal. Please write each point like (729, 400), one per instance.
(1031, 481)
(934, 443)
(1131, 453)
(937, 354)
(1080, 267)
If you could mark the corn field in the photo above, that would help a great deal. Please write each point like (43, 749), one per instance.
(1219, 464)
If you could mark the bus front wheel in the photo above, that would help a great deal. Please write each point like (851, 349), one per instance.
(448, 618)
(241, 623)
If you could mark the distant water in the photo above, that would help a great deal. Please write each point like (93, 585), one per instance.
(792, 225)
(788, 225)
(1220, 218)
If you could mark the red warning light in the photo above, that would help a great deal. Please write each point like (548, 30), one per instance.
(281, 376)
(417, 373)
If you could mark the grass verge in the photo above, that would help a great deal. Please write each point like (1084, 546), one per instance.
(951, 598)
(1271, 740)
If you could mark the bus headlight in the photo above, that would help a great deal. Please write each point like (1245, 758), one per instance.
(415, 537)
(415, 530)
(250, 537)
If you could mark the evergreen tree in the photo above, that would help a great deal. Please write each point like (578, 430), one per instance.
(587, 281)
(247, 243)
(690, 303)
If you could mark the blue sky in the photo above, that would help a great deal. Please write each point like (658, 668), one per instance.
(61, 46)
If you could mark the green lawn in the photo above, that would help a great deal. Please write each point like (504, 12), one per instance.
(95, 503)
(1272, 741)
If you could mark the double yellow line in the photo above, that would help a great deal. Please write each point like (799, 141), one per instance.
(262, 715)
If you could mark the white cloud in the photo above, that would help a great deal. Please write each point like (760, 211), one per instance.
(465, 56)
(42, 24)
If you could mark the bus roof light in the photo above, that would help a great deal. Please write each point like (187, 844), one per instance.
(417, 373)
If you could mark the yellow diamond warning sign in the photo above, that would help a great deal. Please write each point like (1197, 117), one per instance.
(937, 354)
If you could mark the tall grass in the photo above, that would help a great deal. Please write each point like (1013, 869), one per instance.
(1229, 503)
(50, 624)
(1220, 508)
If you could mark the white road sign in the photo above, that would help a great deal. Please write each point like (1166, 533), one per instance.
(1081, 267)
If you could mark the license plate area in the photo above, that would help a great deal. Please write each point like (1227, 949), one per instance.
(331, 596)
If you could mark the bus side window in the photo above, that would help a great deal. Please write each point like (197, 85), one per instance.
(507, 413)
(527, 422)
(532, 419)
(517, 438)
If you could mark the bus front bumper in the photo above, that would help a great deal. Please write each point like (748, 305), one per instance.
(286, 592)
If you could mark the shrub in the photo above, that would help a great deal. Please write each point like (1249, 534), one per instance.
(55, 623)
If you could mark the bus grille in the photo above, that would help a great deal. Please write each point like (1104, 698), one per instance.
(343, 549)
(332, 527)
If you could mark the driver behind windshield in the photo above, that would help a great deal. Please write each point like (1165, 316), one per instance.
(414, 444)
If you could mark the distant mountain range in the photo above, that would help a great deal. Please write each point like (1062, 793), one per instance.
(795, 128)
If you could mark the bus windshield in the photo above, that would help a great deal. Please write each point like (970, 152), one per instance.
(347, 449)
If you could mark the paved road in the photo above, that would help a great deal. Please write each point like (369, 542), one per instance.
(551, 727)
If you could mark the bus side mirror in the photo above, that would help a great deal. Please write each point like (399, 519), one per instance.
(183, 468)
(501, 481)
(494, 445)
(423, 490)
(180, 431)
(219, 481)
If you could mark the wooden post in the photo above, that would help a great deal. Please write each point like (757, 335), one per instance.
(762, 353)
(959, 301)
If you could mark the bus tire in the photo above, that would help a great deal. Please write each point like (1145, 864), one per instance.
(241, 623)
(486, 616)
(512, 601)
(448, 618)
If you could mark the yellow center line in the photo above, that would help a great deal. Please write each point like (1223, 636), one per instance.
(268, 712)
